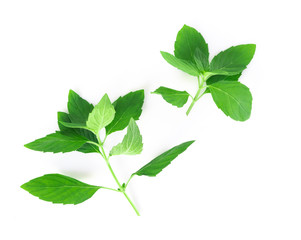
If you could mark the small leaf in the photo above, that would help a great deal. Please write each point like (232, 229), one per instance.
(57, 188)
(233, 98)
(159, 163)
(174, 97)
(78, 108)
(188, 40)
(126, 107)
(218, 78)
(181, 64)
(233, 60)
(57, 142)
(102, 115)
(73, 125)
(131, 143)
(201, 60)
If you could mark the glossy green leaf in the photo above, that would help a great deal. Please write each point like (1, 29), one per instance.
(188, 40)
(159, 163)
(233, 60)
(174, 97)
(57, 142)
(218, 78)
(78, 108)
(233, 98)
(57, 188)
(181, 64)
(87, 147)
(131, 143)
(126, 107)
(201, 61)
(101, 116)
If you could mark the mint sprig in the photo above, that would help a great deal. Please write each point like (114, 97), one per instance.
(79, 131)
(191, 55)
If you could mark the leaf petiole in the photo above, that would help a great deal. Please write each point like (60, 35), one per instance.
(198, 94)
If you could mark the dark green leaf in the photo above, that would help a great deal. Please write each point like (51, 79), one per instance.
(57, 142)
(233, 60)
(174, 97)
(126, 107)
(233, 98)
(57, 188)
(181, 64)
(159, 163)
(78, 108)
(188, 40)
(218, 78)
(131, 143)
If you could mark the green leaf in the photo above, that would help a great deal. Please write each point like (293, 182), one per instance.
(233, 60)
(87, 147)
(218, 78)
(174, 97)
(102, 115)
(131, 143)
(188, 40)
(57, 188)
(233, 98)
(57, 142)
(201, 61)
(159, 163)
(74, 125)
(126, 107)
(78, 108)
(181, 64)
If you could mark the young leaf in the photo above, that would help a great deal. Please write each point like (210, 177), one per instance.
(188, 40)
(201, 60)
(87, 147)
(102, 115)
(159, 163)
(181, 64)
(57, 142)
(233, 98)
(218, 78)
(131, 143)
(78, 108)
(233, 60)
(126, 107)
(57, 188)
(174, 97)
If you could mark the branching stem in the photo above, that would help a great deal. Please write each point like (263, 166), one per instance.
(198, 94)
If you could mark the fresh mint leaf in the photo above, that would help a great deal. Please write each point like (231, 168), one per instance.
(101, 116)
(126, 107)
(174, 97)
(218, 78)
(57, 188)
(131, 143)
(188, 40)
(201, 60)
(181, 64)
(78, 108)
(233, 60)
(57, 142)
(159, 163)
(233, 98)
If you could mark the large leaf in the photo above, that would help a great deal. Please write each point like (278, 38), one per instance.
(57, 142)
(159, 163)
(126, 107)
(57, 188)
(181, 64)
(174, 97)
(102, 115)
(233, 60)
(78, 108)
(131, 143)
(63, 118)
(201, 61)
(188, 40)
(218, 78)
(233, 98)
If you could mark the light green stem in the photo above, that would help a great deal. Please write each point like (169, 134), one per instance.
(121, 188)
(197, 95)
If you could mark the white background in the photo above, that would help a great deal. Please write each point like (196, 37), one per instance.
(237, 181)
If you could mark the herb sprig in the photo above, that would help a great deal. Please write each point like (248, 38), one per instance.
(79, 131)
(219, 77)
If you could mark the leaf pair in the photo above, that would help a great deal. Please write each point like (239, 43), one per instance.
(191, 55)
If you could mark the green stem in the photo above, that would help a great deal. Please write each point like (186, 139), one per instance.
(121, 188)
(196, 97)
